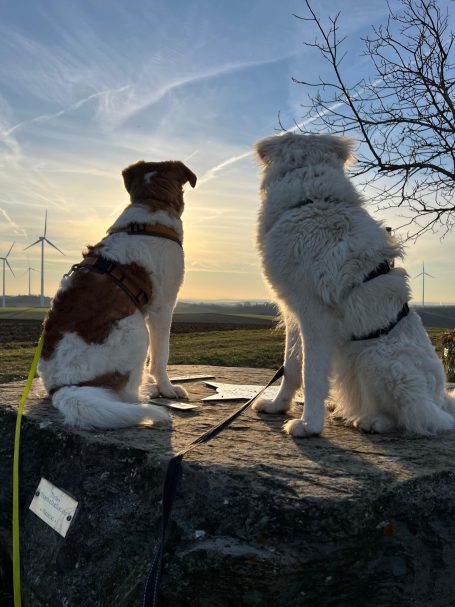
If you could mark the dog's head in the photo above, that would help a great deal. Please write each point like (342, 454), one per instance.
(297, 150)
(158, 183)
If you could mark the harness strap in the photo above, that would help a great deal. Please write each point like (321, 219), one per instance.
(147, 229)
(117, 273)
(384, 331)
(383, 268)
(173, 474)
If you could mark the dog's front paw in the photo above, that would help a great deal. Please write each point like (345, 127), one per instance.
(180, 391)
(172, 391)
(300, 429)
(266, 405)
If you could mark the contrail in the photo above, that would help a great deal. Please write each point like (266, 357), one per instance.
(211, 173)
(73, 106)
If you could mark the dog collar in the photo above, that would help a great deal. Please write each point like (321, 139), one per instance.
(302, 203)
(147, 229)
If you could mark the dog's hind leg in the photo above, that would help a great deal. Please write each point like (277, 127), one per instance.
(292, 372)
(130, 392)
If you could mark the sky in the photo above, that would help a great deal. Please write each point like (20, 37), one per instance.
(87, 87)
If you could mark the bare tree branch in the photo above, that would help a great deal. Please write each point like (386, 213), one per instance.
(405, 113)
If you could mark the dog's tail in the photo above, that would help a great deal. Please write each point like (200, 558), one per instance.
(88, 407)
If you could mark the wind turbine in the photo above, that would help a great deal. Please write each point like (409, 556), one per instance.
(42, 239)
(6, 263)
(423, 274)
(29, 270)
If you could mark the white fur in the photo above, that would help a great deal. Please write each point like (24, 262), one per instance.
(125, 349)
(90, 408)
(148, 176)
(315, 257)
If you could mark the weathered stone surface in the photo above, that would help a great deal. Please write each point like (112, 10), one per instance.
(344, 520)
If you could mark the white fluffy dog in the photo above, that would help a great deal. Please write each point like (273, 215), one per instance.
(124, 290)
(327, 261)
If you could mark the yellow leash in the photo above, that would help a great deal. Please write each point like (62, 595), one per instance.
(17, 437)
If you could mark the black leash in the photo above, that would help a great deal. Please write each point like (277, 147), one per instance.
(171, 481)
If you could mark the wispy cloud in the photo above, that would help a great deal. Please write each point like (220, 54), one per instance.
(118, 104)
(72, 107)
(16, 229)
(119, 108)
(10, 151)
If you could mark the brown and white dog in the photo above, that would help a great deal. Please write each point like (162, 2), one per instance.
(116, 301)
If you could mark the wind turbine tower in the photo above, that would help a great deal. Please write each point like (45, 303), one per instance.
(6, 263)
(42, 239)
(423, 274)
(29, 270)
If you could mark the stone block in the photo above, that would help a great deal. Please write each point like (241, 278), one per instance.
(260, 519)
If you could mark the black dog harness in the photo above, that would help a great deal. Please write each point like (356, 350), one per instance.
(138, 294)
(383, 268)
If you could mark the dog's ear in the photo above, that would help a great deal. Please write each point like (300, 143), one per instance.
(131, 172)
(184, 174)
(344, 148)
(268, 148)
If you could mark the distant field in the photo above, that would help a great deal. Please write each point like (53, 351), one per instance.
(193, 318)
(23, 313)
(204, 339)
(432, 316)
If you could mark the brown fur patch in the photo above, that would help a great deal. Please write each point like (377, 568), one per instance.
(115, 381)
(164, 190)
(90, 307)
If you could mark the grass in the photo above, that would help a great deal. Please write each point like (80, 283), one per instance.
(236, 348)
(23, 313)
(15, 361)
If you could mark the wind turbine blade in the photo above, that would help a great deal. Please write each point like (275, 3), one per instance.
(45, 224)
(32, 245)
(9, 250)
(53, 245)
(417, 275)
(7, 263)
(430, 275)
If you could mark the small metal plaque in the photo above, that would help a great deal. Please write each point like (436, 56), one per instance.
(173, 404)
(53, 506)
